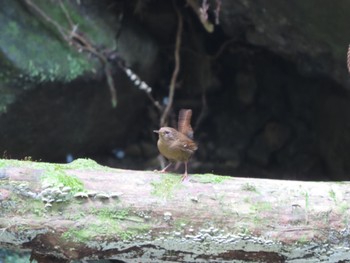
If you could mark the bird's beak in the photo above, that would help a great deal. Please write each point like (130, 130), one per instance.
(156, 131)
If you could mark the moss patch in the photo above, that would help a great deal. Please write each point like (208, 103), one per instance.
(249, 187)
(88, 232)
(63, 63)
(104, 230)
(58, 60)
(167, 185)
(108, 223)
(86, 164)
(343, 207)
(110, 213)
(181, 223)
(23, 206)
(210, 178)
(56, 174)
(57, 177)
(261, 206)
(332, 195)
(34, 207)
(23, 66)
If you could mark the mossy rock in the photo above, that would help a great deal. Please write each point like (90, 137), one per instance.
(32, 50)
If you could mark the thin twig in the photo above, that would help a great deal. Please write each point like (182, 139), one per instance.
(201, 12)
(110, 82)
(65, 11)
(163, 119)
(48, 19)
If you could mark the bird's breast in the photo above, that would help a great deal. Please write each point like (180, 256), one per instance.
(175, 151)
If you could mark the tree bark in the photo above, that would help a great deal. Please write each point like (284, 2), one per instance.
(145, 216)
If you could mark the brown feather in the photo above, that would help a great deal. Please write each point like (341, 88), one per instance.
(184, 123)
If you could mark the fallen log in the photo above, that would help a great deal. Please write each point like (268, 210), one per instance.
(84, 211)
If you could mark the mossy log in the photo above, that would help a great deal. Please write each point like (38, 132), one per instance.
(64, 212)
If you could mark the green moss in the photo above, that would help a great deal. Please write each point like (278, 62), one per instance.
(56, 176)
(108, 223)
(343, 207)
(94, 29)
(111, 213)
(102, 228)
(81, 163)
(23, 206)
(167, 185)
(94, 26)
(13, 27)
(86, 164)
(56, 60)
(247, 200)
(87, 233)
(261, 206)
(307, 200)
(35, 207)
(249, 187)
(244, 231)
(181, 223)
(76, 66)
(210, 178)
(302, 240)
(30, 59)
(133, 231)
(75, 216)
(27, 162)
(257, 220)
(332, 195)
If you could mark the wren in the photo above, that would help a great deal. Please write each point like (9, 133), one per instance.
(177, 145)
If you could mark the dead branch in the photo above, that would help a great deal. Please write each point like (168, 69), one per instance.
(201, 12)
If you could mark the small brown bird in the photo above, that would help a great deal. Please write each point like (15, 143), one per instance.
(177, 145)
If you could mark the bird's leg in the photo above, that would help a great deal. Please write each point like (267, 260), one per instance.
(185, 174)
(166, 167)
